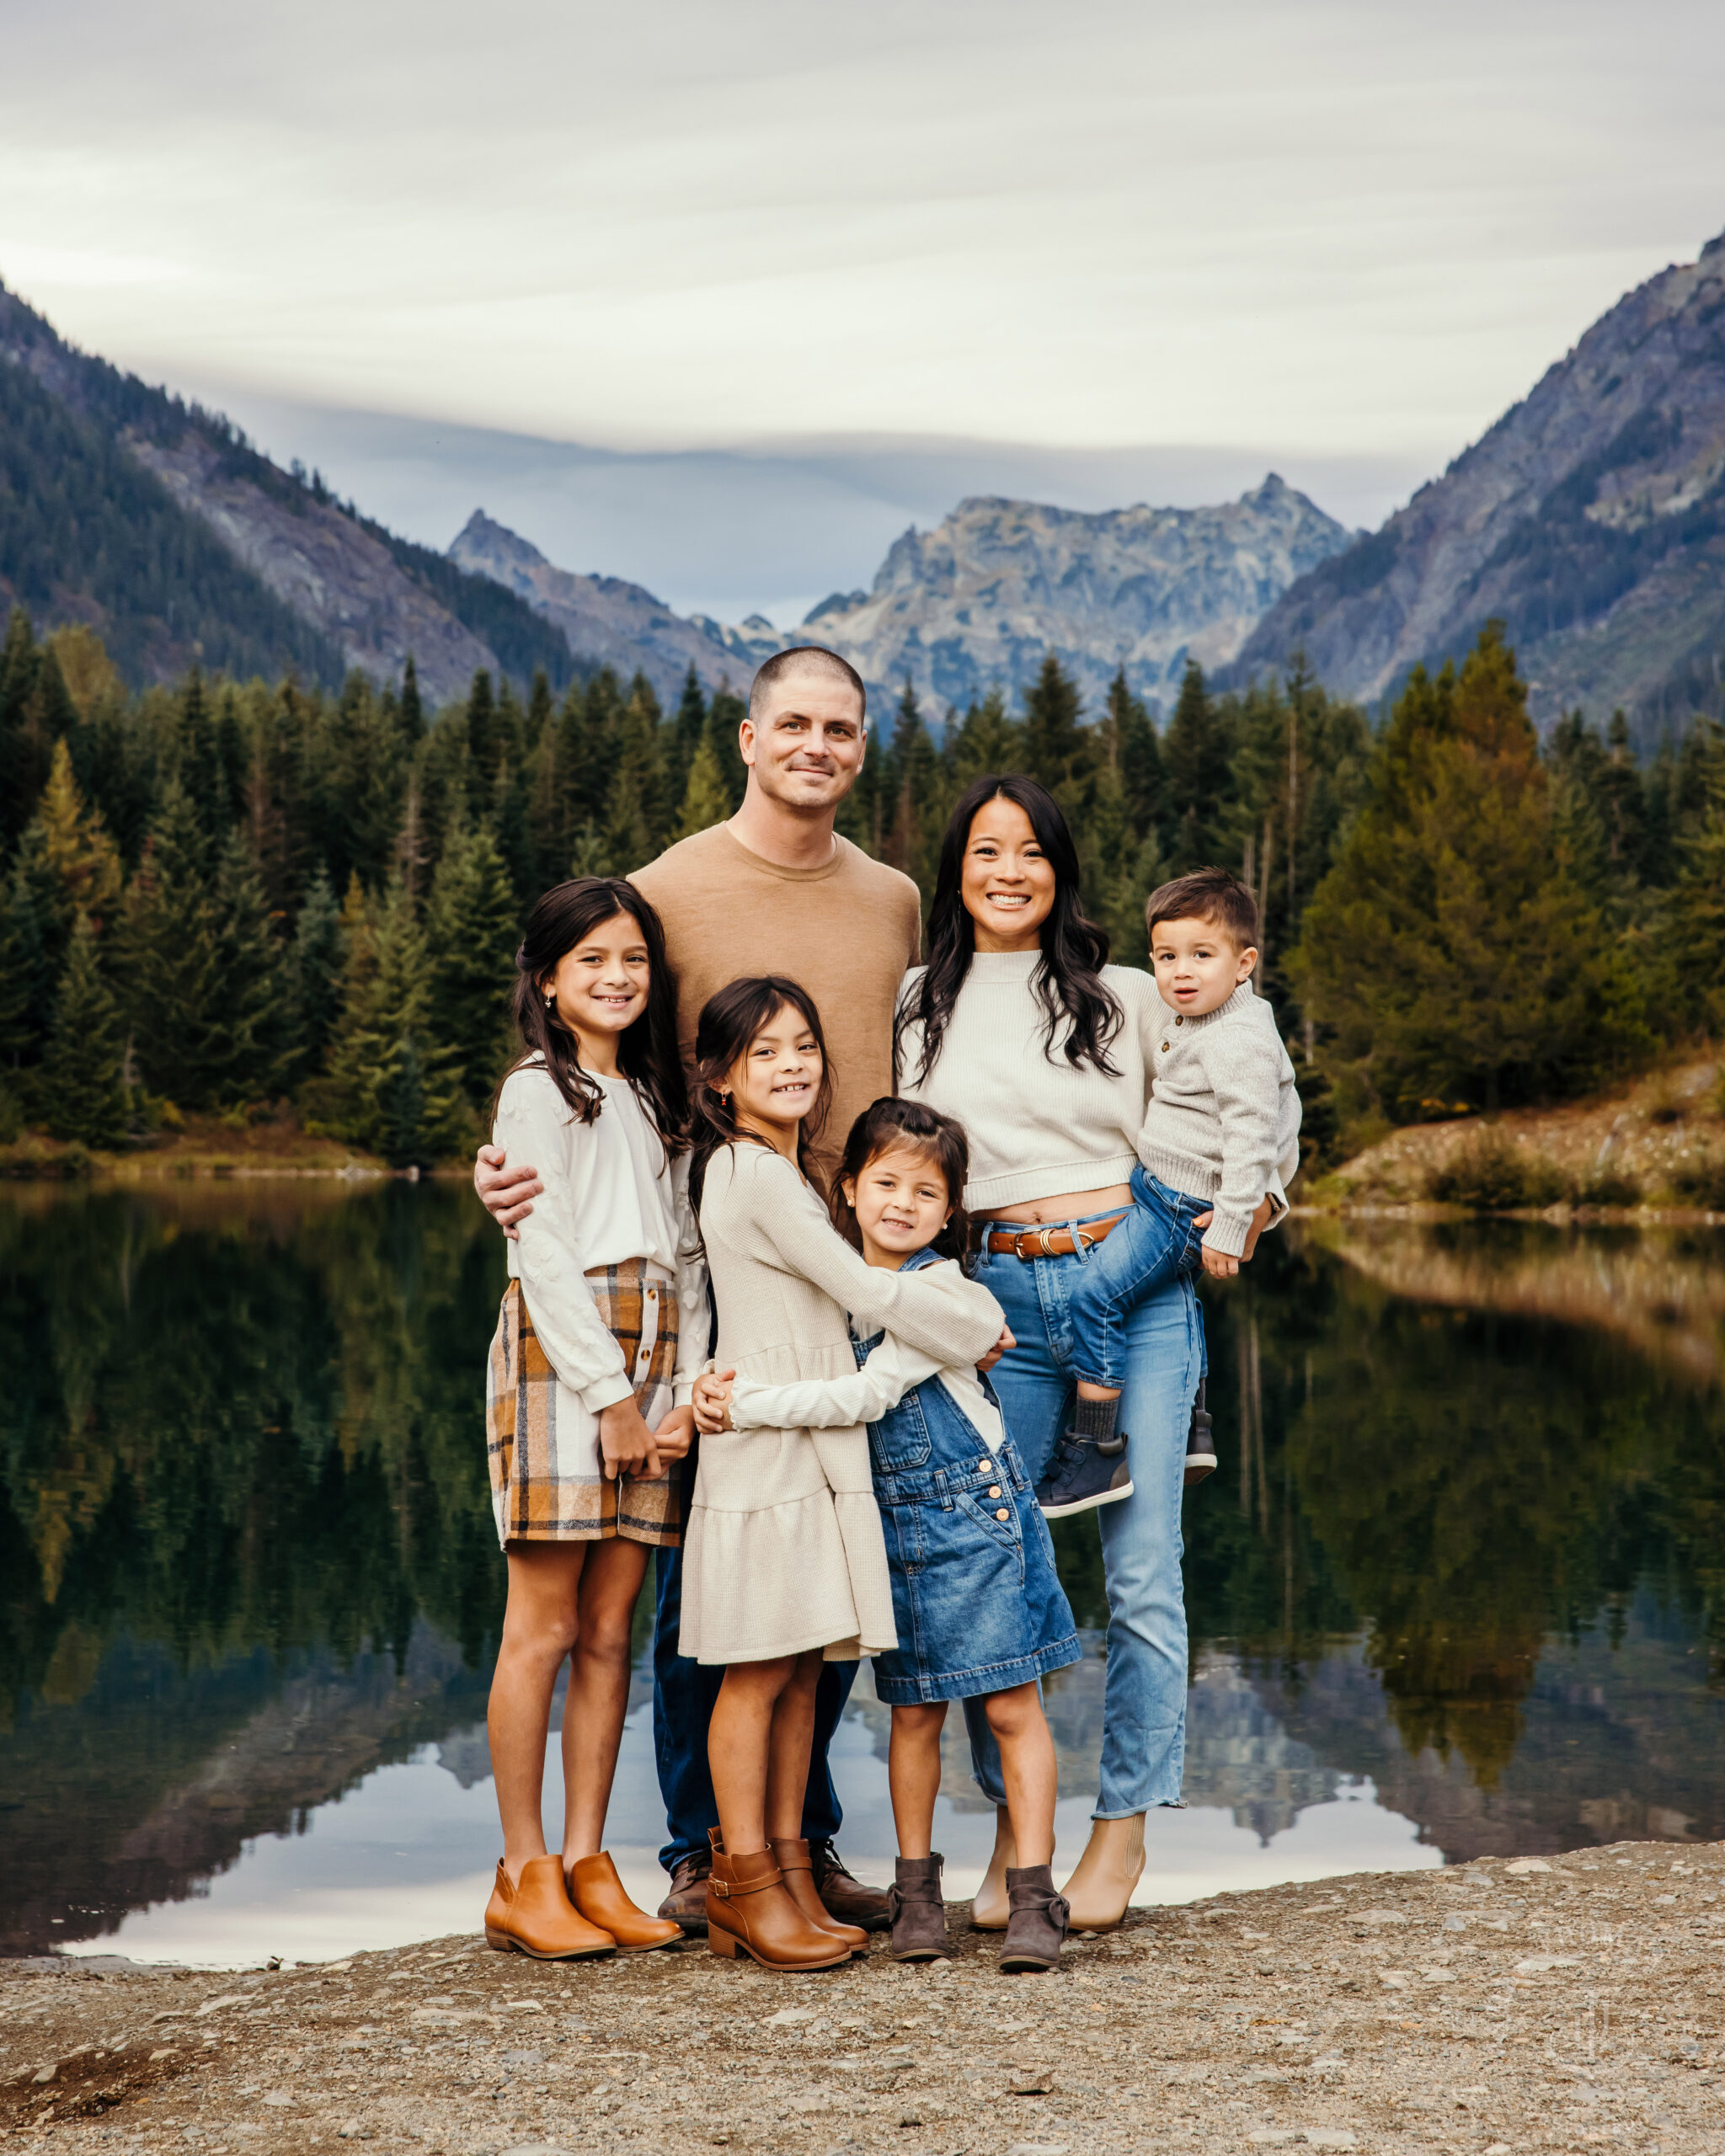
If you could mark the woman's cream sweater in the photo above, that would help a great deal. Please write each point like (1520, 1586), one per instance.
(1037, 1127)
(784, 1550)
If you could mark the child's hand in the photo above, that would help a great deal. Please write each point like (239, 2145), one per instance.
(999, 1348)
(676, 1434)
(626, 1445)
(1218, 1263)
(713, 1401)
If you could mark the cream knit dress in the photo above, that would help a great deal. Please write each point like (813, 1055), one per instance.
(784, 1550)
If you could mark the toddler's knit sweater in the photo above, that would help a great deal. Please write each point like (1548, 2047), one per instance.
(1223, 1122)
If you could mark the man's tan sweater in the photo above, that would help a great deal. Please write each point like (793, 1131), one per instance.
(846, 930)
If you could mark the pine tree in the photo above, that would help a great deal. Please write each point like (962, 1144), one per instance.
(196, 765)
(411, 712)
(253, 1019)
(705, 800)
(724, 715)
(392, 1086)
(689, 728)
(1057, 749)
(1194, 755)
(26, 983)
(630, 827)
(1448, 948)
(169, 961)
(1137, 754)
(82, 1099)
(315, 970)
(471, 927)
(482, 711)
(75, 846)
(987, 740)
(540, 710)
(24, 751)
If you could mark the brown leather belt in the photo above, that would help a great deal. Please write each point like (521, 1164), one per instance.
(1045, 1242)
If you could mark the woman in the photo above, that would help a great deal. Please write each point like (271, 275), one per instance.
(1019, 1027)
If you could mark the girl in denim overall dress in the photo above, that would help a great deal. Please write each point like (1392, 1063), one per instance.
(978, 1608)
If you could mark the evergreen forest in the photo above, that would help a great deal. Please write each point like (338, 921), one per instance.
(222, 898)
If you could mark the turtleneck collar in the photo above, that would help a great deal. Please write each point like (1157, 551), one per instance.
(1004, 965)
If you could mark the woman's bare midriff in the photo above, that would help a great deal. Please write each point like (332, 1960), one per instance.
(1070, 1205)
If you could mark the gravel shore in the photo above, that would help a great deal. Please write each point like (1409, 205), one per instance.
(1496, 2007)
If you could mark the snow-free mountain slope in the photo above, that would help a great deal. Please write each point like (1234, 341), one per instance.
(1591, 518)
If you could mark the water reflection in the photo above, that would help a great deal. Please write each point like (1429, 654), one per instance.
(1456, 1588)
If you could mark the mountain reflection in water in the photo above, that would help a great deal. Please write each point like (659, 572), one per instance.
(1463, 1556)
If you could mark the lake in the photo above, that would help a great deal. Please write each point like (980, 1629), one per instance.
(1455, 1590)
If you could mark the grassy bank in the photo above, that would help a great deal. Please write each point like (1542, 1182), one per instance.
(1657, 1143)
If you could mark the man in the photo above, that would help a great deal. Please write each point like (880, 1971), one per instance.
(775, 890)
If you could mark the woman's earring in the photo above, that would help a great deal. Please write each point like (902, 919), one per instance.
(550, 997)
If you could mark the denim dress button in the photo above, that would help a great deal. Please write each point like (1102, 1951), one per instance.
(995, 1491)
(1003, 1514)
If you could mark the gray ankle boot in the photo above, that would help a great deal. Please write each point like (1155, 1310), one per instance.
(1037, 1927)
(918, 1913)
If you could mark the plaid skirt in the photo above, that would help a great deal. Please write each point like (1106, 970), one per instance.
(547, 1481)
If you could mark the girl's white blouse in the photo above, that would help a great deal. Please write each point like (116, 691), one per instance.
(608, 1197)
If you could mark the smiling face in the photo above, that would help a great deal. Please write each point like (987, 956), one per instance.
(901, 1203)
(1197, 966)
(804, 748)
(775, 1081)
(600, 988)
(1007, 882)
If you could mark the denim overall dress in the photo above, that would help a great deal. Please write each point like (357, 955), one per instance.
(976, 1600)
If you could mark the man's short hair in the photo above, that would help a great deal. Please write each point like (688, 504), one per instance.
(807, 658)
(1216, 895)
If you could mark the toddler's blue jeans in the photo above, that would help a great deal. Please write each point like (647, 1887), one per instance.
(1144, 1700)
(1150, 1246)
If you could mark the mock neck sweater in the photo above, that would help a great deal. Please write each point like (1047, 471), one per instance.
(1037, 1127)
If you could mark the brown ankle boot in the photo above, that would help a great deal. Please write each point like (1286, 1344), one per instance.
(598, 1894)
(537, 1917)
(748, 1911)
(798, 1866)
(919, 1913)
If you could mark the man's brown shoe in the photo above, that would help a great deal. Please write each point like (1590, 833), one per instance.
(685, 1905)
(750, 1912)
(793, 1860)
(845, 1897)
(537, 1917)
(598, 1894)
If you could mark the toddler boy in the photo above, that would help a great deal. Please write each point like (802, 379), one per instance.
(1221, 1132)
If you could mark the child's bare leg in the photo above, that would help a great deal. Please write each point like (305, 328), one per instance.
(540, 1625)
(738, 1742)
(989, 1910)
(1029, 1768)
(599, 1691)
(1086, 1391)
(913, 1774)
(791, 1740)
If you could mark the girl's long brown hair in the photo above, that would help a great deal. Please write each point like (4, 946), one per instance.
(729, 1020)
(647, 1051)
(889, 1125)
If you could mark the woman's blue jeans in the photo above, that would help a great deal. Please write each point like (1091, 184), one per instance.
(1144, 1705)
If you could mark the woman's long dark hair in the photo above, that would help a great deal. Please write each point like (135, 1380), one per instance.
(646, 1051)
(728, 1022)
(891, 1125)
(1068, 981)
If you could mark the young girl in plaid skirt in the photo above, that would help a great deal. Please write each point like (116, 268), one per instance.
(603, 1326)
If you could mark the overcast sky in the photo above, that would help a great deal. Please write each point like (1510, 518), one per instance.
(1340, 238)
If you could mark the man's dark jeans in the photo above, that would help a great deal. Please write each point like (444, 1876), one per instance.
(683, 1693)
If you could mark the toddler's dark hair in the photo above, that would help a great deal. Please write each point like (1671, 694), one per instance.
(1213, 894)
(891, 1125)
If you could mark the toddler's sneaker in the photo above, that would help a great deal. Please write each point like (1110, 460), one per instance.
(1084, 1473)
(1201, 1444)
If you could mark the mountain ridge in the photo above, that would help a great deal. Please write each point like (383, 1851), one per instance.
(1589, 517)
(327, 588)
